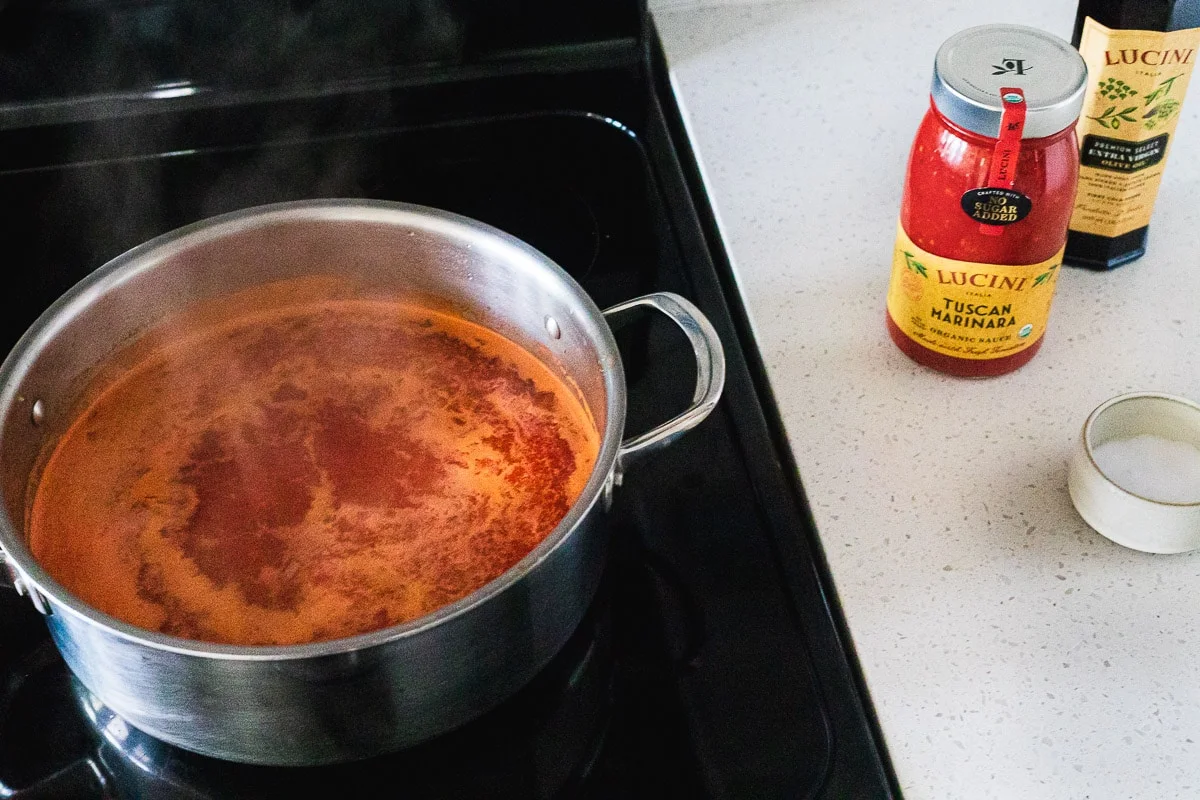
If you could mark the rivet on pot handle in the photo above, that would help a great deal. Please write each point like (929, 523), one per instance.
(8, 575)
(11, 578)
(710, 374)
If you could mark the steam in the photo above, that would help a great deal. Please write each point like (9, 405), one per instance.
(178, 111)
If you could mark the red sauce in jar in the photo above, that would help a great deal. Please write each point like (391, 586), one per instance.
(987, 200)
(947, 161)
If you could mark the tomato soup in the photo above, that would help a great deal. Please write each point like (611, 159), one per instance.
(310, 473)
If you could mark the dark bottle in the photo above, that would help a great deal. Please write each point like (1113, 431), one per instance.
(1128, 120)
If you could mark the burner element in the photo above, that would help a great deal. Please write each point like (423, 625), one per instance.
(542, 743)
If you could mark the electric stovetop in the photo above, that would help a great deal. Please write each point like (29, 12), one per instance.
(714, 661)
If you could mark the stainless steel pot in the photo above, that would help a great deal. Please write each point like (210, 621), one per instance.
(355, 697)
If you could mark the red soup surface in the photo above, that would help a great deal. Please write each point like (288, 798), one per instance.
(310, 473)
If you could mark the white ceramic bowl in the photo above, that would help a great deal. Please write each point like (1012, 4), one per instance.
(1117, 512)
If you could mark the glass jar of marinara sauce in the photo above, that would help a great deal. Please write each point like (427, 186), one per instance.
(987, 200)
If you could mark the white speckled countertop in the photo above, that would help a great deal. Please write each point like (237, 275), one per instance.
(1010, 651)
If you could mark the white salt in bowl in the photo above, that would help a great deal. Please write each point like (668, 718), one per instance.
(1135, 475)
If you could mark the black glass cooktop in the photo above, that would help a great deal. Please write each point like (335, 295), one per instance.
(713, 662)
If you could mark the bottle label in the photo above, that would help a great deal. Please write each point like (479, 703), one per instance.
(966, 309)
(1136, 84)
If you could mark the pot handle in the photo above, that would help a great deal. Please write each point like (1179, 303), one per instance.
(8, 576)
(710, 373)
(11, 578)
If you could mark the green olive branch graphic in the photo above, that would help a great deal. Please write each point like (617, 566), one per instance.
(914, 265)
(1040, 279)
(1163, 89)
(1160, 113)
(1111, 118)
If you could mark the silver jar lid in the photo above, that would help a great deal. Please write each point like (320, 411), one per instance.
(973, 65)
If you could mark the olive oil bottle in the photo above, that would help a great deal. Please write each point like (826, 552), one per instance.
(1140, 55)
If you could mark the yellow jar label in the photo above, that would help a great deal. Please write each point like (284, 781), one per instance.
(965, 309)
(1136, 84)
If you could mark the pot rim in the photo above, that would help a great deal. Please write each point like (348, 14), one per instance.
(148, 255)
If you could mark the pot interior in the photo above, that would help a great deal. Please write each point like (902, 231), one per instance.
(278, 257)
